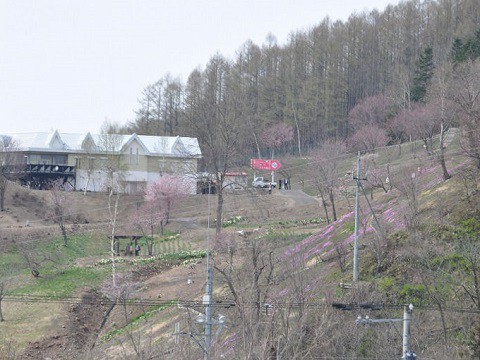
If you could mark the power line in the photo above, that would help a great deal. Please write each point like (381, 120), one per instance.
(31, 298)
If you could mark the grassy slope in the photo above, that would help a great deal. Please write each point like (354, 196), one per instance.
(72, 272)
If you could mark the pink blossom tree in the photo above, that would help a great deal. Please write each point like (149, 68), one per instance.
(396, 127)
(277, 136)
(166, 192)
(368, 138)
(373, 110)
(160, 199)
(422, 123)
(148, 219)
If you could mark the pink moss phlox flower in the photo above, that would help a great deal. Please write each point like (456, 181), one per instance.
(229, 344)
(317, 249)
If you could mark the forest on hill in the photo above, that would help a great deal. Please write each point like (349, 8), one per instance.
(365, 81)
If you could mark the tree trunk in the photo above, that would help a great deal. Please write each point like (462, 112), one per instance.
(104, 321)
(297, 128)
(218, 225)
(2, 294)
(325, 208)
(3, 189)
(332, 201)
(64, 233)
(446, 175)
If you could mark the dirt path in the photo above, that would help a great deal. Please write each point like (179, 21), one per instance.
(298, 197)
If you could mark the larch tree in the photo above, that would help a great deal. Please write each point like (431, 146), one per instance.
(148, 119)
(212, 114)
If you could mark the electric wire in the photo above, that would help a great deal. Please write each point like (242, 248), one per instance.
(27, 298)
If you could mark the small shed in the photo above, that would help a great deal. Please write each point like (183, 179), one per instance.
(129, 245)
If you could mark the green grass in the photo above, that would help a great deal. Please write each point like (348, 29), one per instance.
(80, 246)
(62, 283)
(284, 237)
(134, 322)
(58, 276)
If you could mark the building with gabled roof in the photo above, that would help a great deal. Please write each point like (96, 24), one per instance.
(81, 159)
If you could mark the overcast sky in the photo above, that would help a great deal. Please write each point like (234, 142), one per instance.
(72, 64)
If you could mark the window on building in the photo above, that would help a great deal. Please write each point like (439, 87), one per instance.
(59, 159)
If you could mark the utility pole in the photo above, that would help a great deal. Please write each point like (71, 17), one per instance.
(407, 318)
(205, 319)
(357, 209)
(407, 353)
(207, 301)
(207, 298)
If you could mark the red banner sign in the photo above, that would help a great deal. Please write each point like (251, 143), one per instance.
(260, 164)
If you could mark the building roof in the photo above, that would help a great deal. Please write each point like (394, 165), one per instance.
(68, 142)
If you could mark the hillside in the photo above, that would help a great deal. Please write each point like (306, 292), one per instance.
(275, 249)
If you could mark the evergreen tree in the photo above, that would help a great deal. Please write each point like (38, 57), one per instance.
(470, 50)
(457, 54)
(423, 74)
(472, 47)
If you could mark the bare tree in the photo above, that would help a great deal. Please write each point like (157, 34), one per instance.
(113, 168)
(58, 205)
(379, 178)
(10, 165)
(249, 285)
(466, 98)
(147, 219)
(34, 258)
(405, 180)
(439, 97)
(7, 271)
(212, 115)
(326, 172)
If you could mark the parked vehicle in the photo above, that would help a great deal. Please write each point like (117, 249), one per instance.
(260, 183)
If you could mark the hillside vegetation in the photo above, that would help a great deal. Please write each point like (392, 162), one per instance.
(398, 91)
(274, 249)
